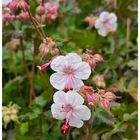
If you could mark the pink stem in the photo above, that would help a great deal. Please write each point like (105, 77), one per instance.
(42, 3)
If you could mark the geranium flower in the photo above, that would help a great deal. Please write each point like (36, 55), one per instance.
(107, 22)
(70, 71)
(70, 106)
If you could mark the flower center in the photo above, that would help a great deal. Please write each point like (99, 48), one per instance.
(67, 108)
(68, 71)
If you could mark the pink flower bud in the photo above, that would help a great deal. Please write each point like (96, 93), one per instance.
(91, 62)
(90, 52)
(91, 100)
(98, 58)
(44, 50)
(13, 5)
(65, 127)
(24, 16)
(44, 66)
(8, 16)
(40, 10)
(23, 4)
(104, 104)
(101, 91)
(110, 96)
(55, 52)
(86, 90)
(99, 80)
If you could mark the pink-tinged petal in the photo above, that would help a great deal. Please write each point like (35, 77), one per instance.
(57, 113)
(82, 70)
(82, 112)
(59, 63)
(98, 23)
(104, 15)
(6, 2)
(75, 122)
(112, 18)
(59, 98)
(58, 81)
(103, 32)
(73, 58)
(73, 98)
(73, 83)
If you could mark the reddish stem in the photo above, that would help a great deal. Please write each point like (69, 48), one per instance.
(42, 3)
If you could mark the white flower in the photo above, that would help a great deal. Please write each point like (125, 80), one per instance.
(70, 71)
(6, 2)
(107, 22)
(70, 106)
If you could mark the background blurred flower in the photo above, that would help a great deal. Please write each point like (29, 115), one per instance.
(107, 22)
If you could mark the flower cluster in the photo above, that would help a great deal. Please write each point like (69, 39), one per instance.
(47, 12)
(91, 59)
(105, 23)
(100, 98)
(15, 10)
(9, 113)
(48, 46)
(70, 71)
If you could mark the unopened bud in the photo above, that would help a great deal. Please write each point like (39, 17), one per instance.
(91, 62)
(13, 5)
(104, 104)
(110, 96)
(40, 10)
(98, 58)
(86, 90)
(55, 52)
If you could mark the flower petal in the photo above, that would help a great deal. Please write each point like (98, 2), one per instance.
(104, 15)
(103, 32)
(59, 97)
(57, 113)
(98, 23)
(57, 80)
(75, 122)
(73, 98)
(112, 18)
(82, 112)
(59, 63)
(82, 70)
(73, 58)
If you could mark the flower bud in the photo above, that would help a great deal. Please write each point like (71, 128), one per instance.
(110, 96)
(65, 127)
(40, 10)
(8, 16)
(99, 80)
(91, 62)
(44, 66)
(86, 90)
(24, 16)
(13, 5)
(102, 91)
(55, 52)
(23, 4)
(104, 104)
(91, 100)
(44, 50)
(98, 58)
